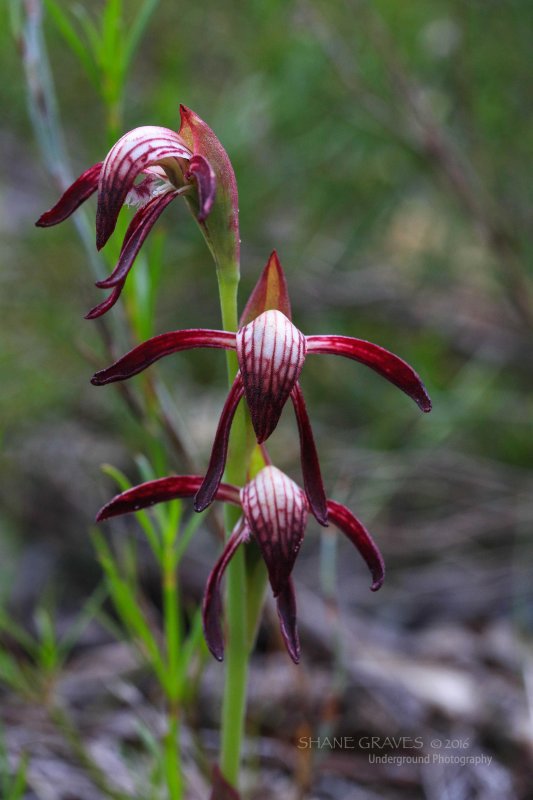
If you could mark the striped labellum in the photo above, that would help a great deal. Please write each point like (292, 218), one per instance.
(276, 511)
(271, 353)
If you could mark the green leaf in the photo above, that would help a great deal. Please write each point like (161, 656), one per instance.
(89, 612)
(128, 608)
(91, 32)
(137, 29)
(84, 55)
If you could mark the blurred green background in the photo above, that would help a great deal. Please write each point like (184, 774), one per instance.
(383, 149)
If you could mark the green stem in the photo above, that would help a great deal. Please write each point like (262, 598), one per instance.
(172, 753)
(237, 651)
(173, 637)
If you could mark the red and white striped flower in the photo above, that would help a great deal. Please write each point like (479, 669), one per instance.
(275, 511)
(191, 162)
(271, 352)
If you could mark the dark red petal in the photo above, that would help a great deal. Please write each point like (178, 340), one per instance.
(160, 491)
(106, 304)
(159, 346)
(82, 188)
(385, 363)
(356, 532)
(271, 353)
(201, 170)
(212, 604)
(217, 462)
(136, 150)
(138, 229)
(276, 511)
(270, 293)
(222, 790)
(286, 602)
(314, 487)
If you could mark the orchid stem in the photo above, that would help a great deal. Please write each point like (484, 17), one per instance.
(237, 650)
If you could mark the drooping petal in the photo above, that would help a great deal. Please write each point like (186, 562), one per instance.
(385, 363)
(271, 353)
(286, 603)
(356, 532)
(276, 511)
(140, 148)
(201, 170)
(212, 603)
(152, 350)
(138, 229)
(82, 188)
(270, 293)
(160, 491)
(103, 307)
(314, 487)
(221, 227)
(217, 462)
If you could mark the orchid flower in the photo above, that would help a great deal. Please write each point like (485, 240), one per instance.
(271, 352)
(191, 162)
(275, 511)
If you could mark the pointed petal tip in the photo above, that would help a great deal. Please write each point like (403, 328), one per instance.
(101, 241)
(217, 654)
(355, 531)
(202, 504)
(424, 402)
(286, 603)
(103, 514)
(72, 198)
(320, 516)
(295, 656)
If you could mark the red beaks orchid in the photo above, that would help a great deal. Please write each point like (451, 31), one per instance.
(275, 511)
(271, 352)
(191, 163)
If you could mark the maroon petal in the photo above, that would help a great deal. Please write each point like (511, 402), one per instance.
(212, 604)
(271, 353)
(106, 304)
(201, 170)
(82, 188)
(385, 363)
(159, 346)
(138, 229)
(314, 487)
(356, 532)
(270, 293)
(161, 490)
(217, 462)
(136, 150)
(286, 602)
(276, 511)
